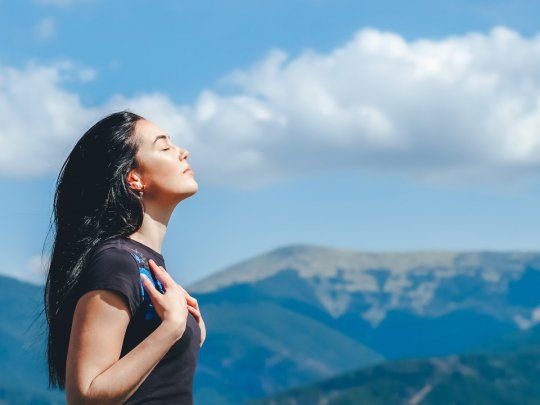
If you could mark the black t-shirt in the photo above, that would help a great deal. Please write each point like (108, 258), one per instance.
(116, 265)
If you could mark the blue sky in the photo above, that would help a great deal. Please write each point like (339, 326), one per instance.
(364, 125)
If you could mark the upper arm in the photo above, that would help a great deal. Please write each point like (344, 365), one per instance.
(109, 295)
(99, 324)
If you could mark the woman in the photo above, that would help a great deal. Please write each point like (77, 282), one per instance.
(120, 330)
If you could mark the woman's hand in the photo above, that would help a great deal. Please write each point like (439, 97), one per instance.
(193, 307)
(170, 306)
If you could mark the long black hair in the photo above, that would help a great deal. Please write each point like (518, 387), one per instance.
(92, 203)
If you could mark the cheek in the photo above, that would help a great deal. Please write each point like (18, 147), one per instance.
(166, 172)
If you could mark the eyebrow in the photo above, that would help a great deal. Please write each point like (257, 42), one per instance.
(161, 137)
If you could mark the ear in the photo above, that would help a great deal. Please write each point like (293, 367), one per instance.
(134, 180)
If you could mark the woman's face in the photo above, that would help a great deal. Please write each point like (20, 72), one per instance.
(161, 166)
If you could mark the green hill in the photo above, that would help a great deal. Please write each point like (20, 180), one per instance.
(503, 378)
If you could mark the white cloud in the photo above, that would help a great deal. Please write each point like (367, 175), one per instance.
(46, 28)
(459, 109)
(39, 121)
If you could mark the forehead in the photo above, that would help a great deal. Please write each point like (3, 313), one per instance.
(148, 131)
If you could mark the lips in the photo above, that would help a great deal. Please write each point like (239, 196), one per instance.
(188, 170)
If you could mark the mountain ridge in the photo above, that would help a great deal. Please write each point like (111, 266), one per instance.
(365, 259)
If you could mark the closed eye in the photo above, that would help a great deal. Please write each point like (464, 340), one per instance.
(166, 149)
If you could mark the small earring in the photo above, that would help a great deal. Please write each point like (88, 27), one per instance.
(141, 191)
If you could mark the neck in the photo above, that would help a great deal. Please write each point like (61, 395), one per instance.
(154, 226)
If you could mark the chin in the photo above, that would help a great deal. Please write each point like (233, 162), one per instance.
(189, 189)
(193, 185)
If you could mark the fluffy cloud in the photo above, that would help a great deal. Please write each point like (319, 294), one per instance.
(458, 109)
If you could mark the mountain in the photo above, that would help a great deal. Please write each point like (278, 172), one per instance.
(394, 305)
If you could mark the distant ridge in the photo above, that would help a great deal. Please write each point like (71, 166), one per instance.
(315, 260)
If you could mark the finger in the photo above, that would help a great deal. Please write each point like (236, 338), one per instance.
(165, 273)
(183, 289)
(192, 301)
(149, 286)
(188, 296)
(190, 304)
(162, 275)
(194, 310)
(195, 313)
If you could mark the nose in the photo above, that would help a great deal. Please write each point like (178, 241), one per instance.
(184, 153)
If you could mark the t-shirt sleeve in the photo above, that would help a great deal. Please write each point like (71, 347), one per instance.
(113, 269)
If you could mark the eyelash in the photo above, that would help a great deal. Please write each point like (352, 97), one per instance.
(166, 149)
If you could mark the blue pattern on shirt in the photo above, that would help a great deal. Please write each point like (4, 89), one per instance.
(144, 268)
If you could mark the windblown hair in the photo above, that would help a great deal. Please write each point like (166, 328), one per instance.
(92, 203)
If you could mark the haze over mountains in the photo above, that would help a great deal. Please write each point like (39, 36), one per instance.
(300, 314)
